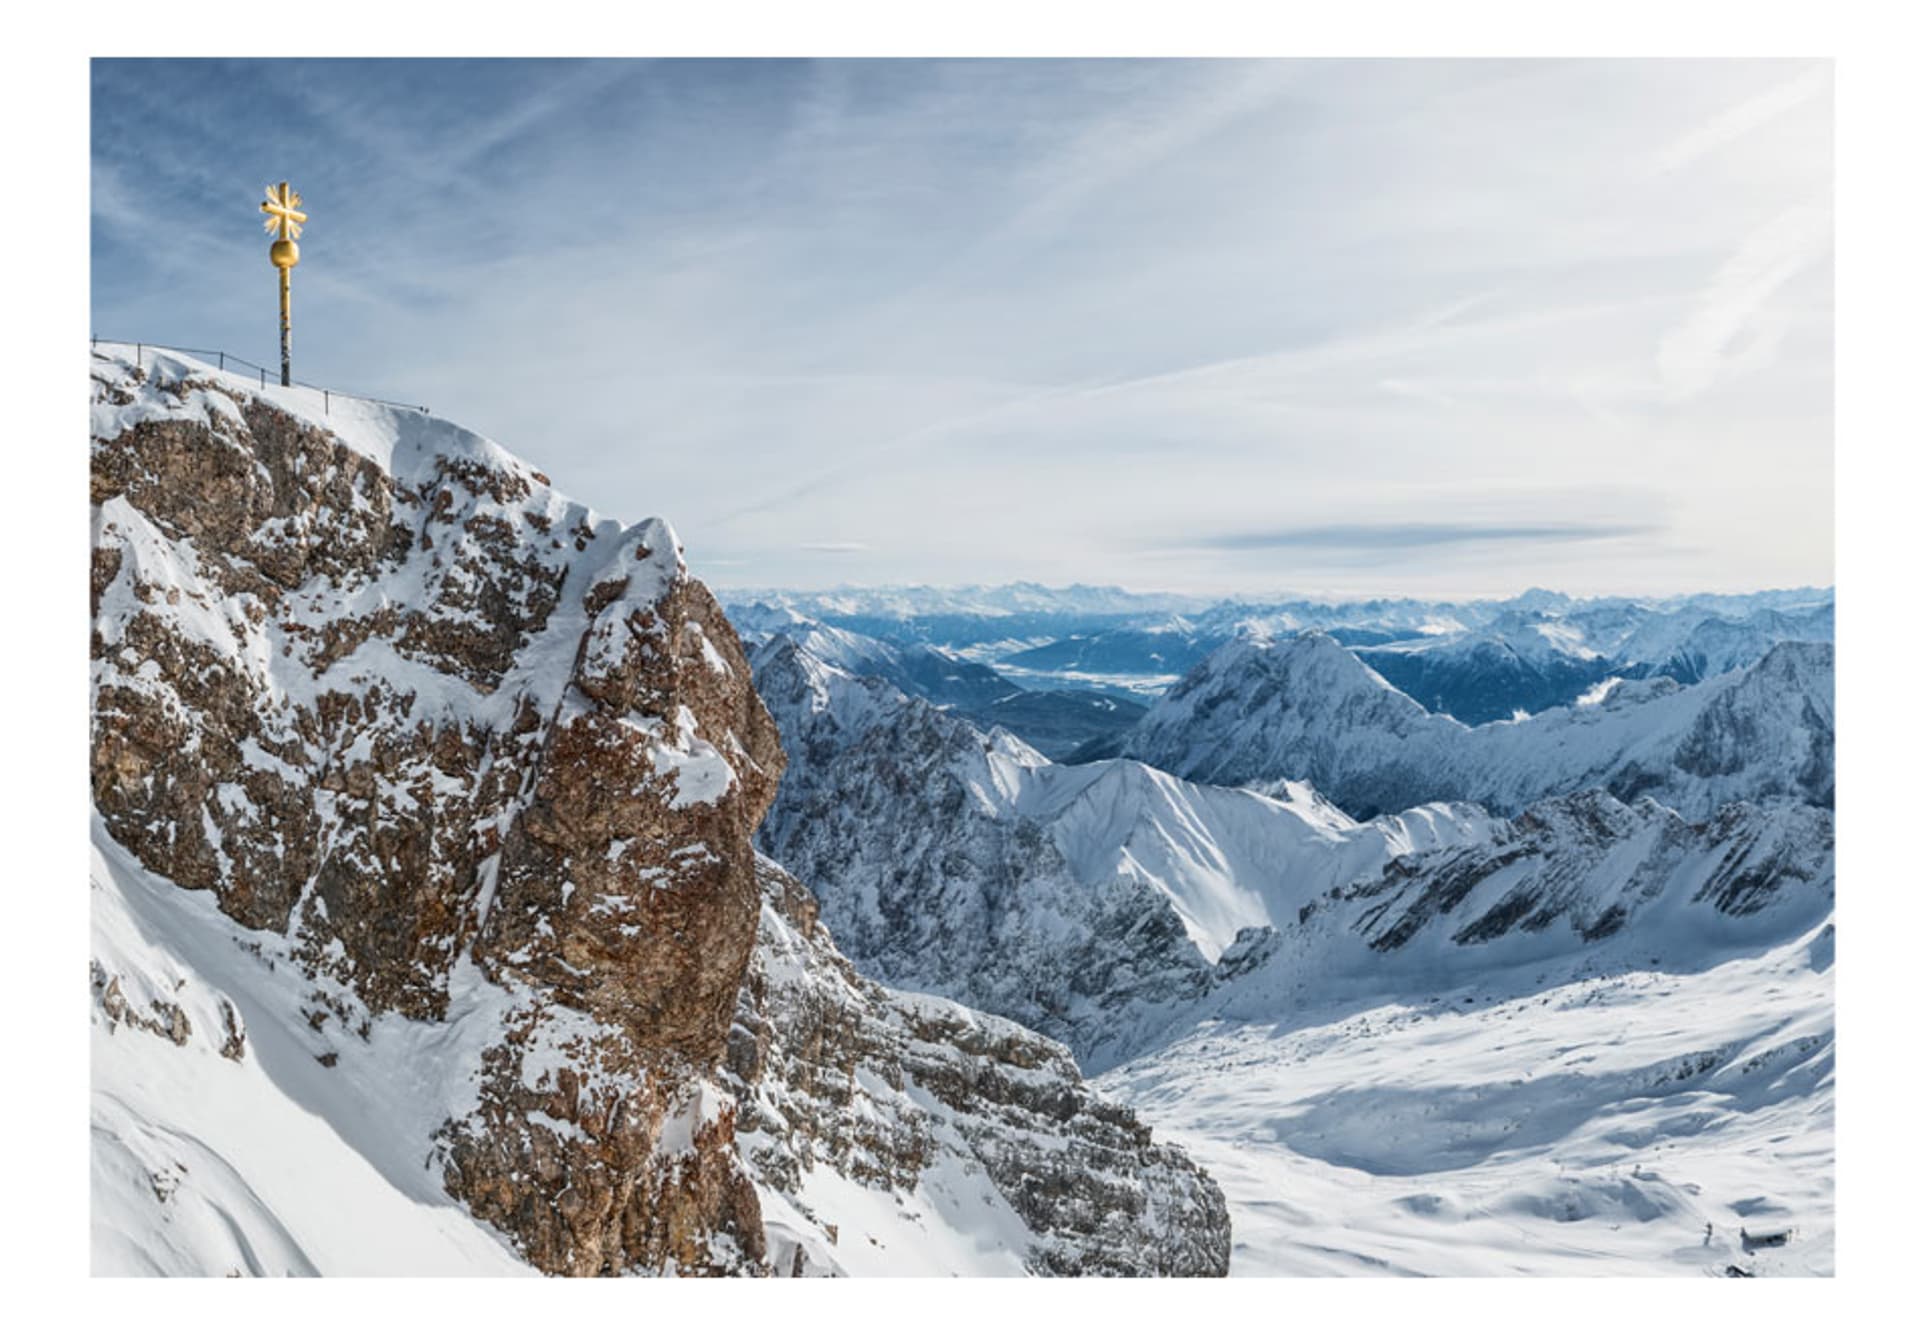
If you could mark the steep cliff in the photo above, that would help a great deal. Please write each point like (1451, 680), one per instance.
(973, 1122)
(482, 770)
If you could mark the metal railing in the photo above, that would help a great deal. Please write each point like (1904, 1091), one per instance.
(226, 361)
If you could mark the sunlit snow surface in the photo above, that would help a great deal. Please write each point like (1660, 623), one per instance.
(1632, 1124)
(273, 1164)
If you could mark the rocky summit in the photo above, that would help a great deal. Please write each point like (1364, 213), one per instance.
(432, 795)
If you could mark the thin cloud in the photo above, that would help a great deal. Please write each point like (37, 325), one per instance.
(1739, 121)
(835, 548)
(1734, 328)
(1404, 536)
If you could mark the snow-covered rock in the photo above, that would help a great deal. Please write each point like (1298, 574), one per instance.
(1694, 644)
(424, 802)
(1585, 879)
(1521, 664)
(903, 1133)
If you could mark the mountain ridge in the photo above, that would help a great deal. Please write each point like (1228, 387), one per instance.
(1307, 708)
(439, 785)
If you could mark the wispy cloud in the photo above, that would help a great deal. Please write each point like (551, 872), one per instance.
(1735, 327)
(1745, 117)
(112, 202)
(1404, 536)
(835, 548)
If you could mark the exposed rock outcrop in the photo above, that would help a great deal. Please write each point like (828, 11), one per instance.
(837, 1074)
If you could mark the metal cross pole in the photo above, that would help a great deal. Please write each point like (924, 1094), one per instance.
(286, 324)
(284, 218)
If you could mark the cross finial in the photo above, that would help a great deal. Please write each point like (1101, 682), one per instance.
(282, 208)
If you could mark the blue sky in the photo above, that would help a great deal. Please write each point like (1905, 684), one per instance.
(1334, 326)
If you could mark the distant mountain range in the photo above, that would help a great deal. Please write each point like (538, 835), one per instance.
(1476, 662)
(1053, 721)
(1307, 708)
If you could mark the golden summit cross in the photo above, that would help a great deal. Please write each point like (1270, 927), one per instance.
(283, 209)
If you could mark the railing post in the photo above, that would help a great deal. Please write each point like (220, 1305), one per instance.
(139, 356)
(223, 361)
(327, 395)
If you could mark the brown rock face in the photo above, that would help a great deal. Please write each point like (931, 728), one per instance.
(625, 892)
(416, 709)
(613, 1165)
(617, 893)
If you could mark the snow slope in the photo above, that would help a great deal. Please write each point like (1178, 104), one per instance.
(1567, 1049)
(1627, 1123)
(269, 1164)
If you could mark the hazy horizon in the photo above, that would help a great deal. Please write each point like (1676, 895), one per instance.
(1256, 594)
